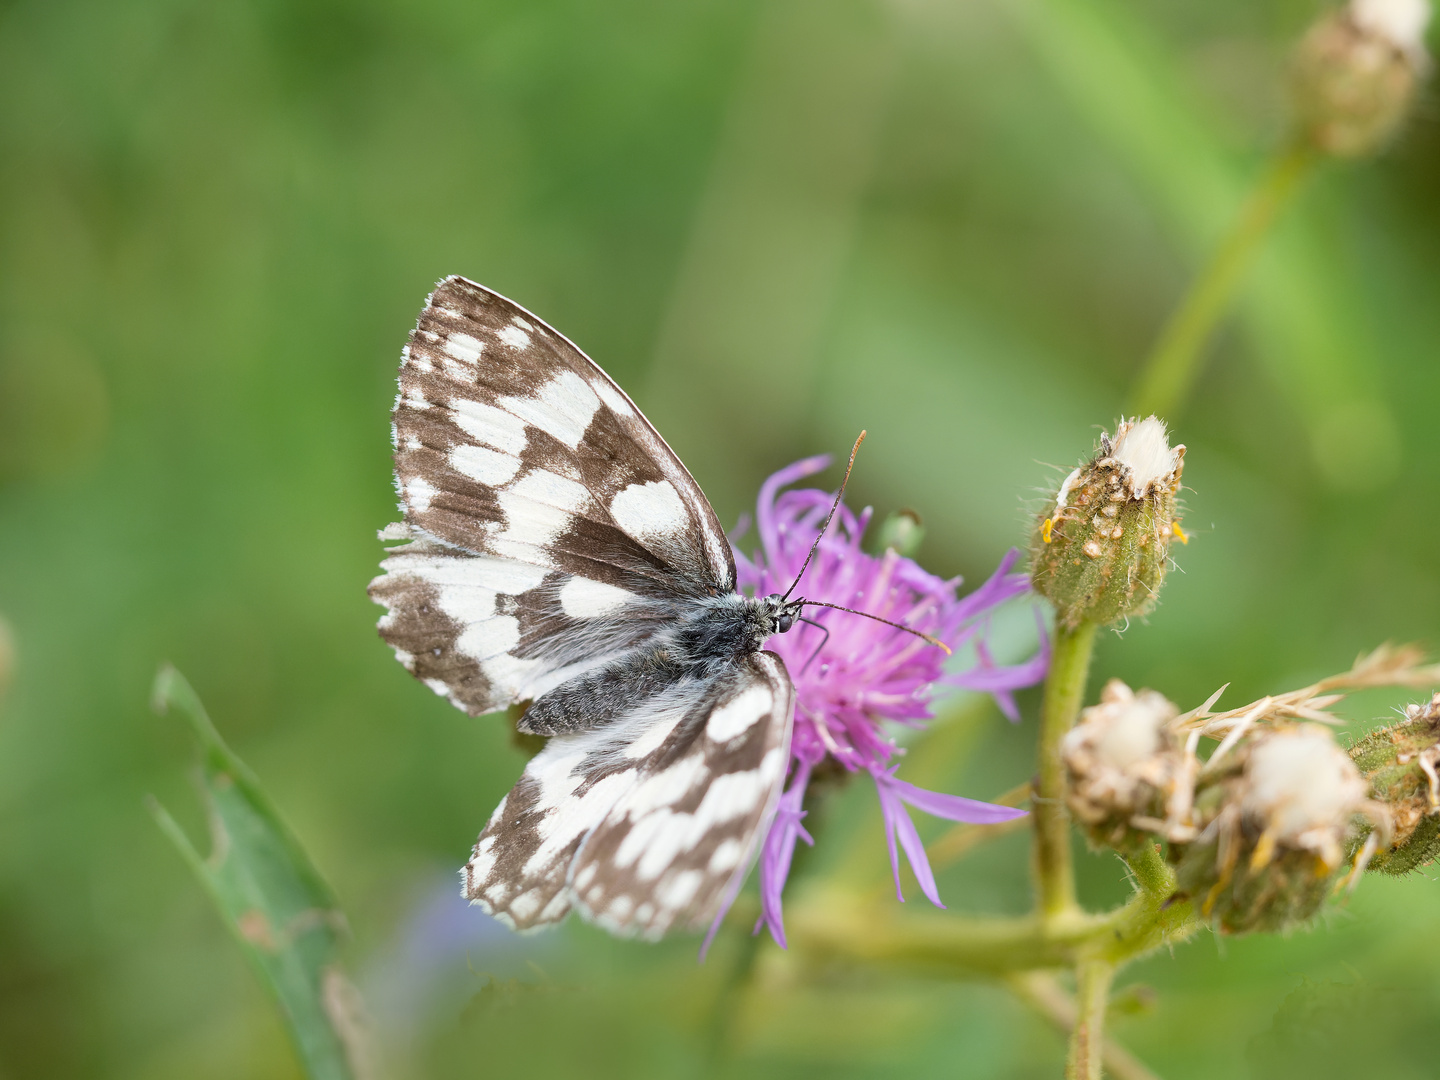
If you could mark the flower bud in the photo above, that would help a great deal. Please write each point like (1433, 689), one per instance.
(1400, 764)
(1101, 552)
(903, 532)
(1274, 823)
(1356, 71)
(1124, 763)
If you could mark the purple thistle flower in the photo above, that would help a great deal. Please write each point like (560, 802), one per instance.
(865, 673)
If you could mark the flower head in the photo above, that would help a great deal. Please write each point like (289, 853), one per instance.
(1274, 821)
(1356, 74)
(853, 674)
(1128, 772)
(1399, 764)
(1101, 552)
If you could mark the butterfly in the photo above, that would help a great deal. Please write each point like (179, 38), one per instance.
(555, 551)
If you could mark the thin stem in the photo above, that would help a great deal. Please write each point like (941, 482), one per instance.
(1168, 374)
(1064, 691)
(1046, 996)
(1087, 1040)
(838, 925)
(1151, 872)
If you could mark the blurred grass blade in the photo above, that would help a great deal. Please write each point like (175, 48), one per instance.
(271, 897)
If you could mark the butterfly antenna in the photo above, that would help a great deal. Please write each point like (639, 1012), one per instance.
(833, 507)
(932, 640)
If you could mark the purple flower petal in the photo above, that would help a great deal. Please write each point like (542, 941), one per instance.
(998, 587)
(765, 509)
(919, 861)
(998, 682)
(991, 679)
(949, 807)
(895, 794)
(1006, 700)
(779, 850)
(891, 809)
(899, 826)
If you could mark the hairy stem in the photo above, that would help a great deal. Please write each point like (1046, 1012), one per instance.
(1046, 996)
(1170, 370)
(840, 928)
(837, 925)
(1087, 1040)
(1064, 692)
(1152, 874)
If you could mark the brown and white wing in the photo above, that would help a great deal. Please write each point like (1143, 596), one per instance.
(549, 526)
(649, 824)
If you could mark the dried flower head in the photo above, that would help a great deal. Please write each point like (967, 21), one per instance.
(1101, 552)
(1400, 764)
(1275, 817)
(1356, 72)
(853, 675)
(1126, 766)
(1302, 789)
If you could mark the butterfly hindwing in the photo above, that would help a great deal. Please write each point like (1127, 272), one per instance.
(677, 845)
(649, 823)
(550, 526)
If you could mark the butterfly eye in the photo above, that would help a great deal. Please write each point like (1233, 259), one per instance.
(785, 621)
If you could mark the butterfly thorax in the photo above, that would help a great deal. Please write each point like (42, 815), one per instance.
(730, 626)
(711, 635)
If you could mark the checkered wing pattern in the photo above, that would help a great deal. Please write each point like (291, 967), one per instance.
(547, 527)
(647, 824)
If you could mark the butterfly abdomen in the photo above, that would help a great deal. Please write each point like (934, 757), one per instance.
(603, 694)
(716, 634)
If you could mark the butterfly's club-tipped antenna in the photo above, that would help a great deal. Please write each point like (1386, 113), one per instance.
(826, 524)
(898, 626)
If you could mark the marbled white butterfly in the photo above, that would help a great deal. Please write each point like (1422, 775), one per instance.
(556, 551)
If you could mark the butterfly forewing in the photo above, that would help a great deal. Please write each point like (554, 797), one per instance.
(650, 823)
(550, 525)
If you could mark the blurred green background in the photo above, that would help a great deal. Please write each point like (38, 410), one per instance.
(958, 223)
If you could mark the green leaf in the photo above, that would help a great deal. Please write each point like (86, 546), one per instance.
(270, 895)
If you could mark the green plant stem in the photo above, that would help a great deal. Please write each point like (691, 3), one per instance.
(1046, 996)
(837, 925)
(1087, 1041)
(1152, 873)
(1064, 692)
(1168, 373)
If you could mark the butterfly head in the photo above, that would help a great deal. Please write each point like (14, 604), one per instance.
(780, 612)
